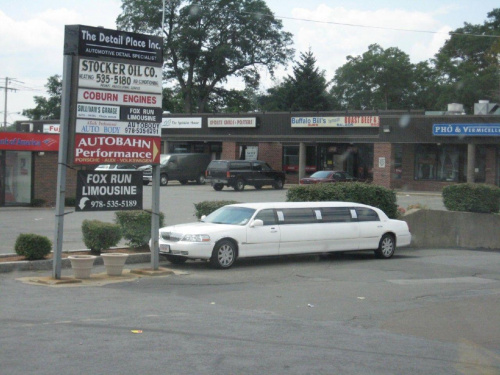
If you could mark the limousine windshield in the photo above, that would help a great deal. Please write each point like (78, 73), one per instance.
(230, 215)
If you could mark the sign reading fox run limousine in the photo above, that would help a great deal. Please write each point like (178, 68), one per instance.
(116, 101)
(108, 191)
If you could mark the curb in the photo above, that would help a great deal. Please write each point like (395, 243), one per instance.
(44, 265)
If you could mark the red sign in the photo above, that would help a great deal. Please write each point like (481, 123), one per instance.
(29, 142)
(104, 149)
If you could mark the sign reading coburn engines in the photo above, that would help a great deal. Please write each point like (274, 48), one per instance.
(117, 98)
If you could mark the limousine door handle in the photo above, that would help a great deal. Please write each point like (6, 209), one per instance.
(380, 226)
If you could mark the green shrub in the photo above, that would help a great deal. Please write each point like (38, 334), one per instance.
(32, 246)
(207, 207)
(358, 192)
(98, 236)
(481, 198)
(38, 202)
(136, 226)
(70, 201)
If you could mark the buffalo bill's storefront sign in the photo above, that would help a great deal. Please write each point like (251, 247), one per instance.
(108, 191)
(336, 122)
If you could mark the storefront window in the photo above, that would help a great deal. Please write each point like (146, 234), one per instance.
(17, 177)
(398, 162)
(441, 163)
(291, 159)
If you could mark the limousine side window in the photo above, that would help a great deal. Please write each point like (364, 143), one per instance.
(366, 214)
(336, 214)
(297, 216)
(267, 216)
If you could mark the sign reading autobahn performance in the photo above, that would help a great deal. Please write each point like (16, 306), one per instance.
(108, 191)
(117, 110)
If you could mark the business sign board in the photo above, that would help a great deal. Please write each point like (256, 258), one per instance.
(466, 130)
(104, 149)
(29, 141)
(51, 128)
(117, 97)
(336, 122)
(108, 191)
(232, 122)
(181, 123)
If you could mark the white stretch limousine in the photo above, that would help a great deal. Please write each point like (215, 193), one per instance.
(283, 228)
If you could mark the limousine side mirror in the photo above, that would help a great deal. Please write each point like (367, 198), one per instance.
(203, 217)
(257, 223)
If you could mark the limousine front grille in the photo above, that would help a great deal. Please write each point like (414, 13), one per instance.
(170, 236)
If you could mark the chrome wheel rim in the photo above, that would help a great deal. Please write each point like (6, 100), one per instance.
(387, 246)
(225, 255)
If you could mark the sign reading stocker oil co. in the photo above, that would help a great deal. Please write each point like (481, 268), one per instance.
(117, 114)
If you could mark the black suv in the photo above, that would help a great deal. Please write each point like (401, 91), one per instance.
(238, 173)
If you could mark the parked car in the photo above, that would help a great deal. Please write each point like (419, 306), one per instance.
(264, 229)
(116, 167)
(239, 173)
(180, 167)
(327, 176)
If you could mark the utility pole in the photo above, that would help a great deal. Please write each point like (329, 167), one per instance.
(6, 87)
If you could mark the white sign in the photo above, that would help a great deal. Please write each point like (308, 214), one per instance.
(51, 128)
(119, 76)
(336, 122)
(251, 152)
(181, 123)
(233, 122)
(118, 127)
(115, 97)
(381, 162)
(105, 112)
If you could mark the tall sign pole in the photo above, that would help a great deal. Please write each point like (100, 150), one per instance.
(111, 111)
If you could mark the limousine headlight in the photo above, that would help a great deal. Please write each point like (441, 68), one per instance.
(196, 238)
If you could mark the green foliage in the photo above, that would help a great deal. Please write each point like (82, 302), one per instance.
(207, 42)
(207, 207)
(481, 198)
(38, 202)
(70, 201)
(98, 236)
(47, 108)
(358, 192)
(32, 246)
(305, 90)
(136, 226)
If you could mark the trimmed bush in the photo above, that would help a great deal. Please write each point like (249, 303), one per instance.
(358, 192)
(32, 246)
(98, 236)
(136, 226)
(207, 207)
(481, 198)
(70, 201)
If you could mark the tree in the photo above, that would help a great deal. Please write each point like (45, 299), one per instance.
(47, 109)
(468, 64)
(377, 79)
(305, 90)
(208, 41)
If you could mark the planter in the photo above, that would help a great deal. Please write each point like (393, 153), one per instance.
(114, 263)
(82, 265)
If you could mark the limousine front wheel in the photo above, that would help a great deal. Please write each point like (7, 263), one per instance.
(386, 247)
(224, 254)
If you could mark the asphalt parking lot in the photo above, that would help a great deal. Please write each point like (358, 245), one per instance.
(426, 312)
(176, 202)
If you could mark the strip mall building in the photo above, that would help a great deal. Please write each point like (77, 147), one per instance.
(404, 150)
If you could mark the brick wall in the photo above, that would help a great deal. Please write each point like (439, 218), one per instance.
(45, 178)
(230, 151)
(272, 153)
(382, 175)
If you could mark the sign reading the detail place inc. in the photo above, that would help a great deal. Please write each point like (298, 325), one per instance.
(117, 116)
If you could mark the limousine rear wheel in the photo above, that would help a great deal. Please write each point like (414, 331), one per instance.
(224, 254)
(386, 247)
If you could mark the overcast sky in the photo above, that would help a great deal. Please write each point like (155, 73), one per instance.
(32, 34)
